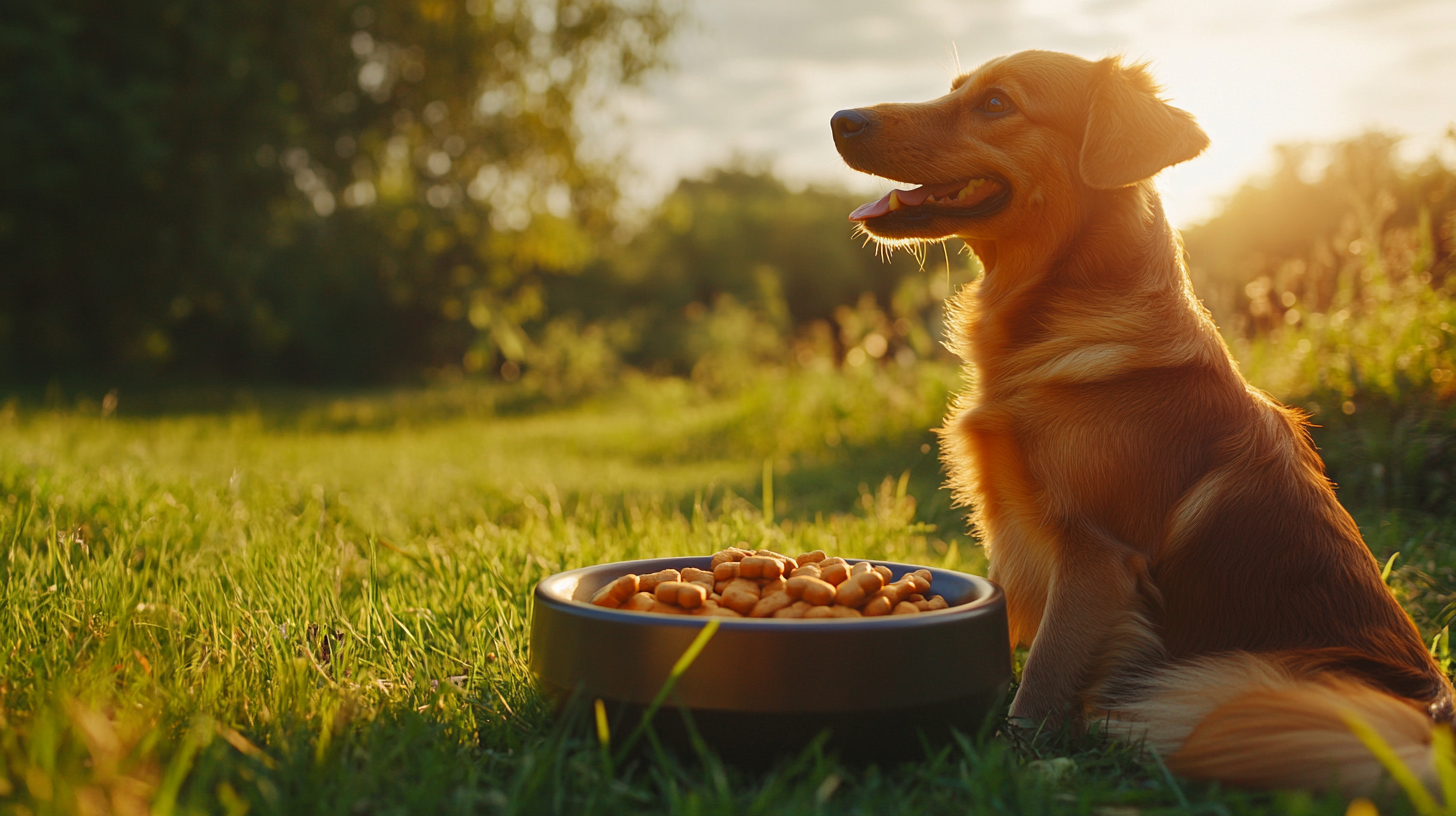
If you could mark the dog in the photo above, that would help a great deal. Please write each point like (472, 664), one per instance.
(1171, 550)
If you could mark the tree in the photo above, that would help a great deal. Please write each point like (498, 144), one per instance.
(317, 189)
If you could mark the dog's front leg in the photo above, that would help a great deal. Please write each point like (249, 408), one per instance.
(1094, 587)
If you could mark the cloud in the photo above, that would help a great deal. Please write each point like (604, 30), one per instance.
(1368, 11)
(762, 77)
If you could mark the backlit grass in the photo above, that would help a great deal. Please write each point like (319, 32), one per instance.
(299, 604)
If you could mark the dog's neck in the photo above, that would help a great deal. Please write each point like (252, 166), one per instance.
(1115, 253)
(1114, 239)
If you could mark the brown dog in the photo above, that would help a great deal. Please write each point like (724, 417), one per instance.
(1170, 548)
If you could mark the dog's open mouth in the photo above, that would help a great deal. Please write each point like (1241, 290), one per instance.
(974, 197)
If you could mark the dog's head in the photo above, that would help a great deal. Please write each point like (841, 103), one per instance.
(1019, 140)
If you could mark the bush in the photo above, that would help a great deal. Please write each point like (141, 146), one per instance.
(1362, 332)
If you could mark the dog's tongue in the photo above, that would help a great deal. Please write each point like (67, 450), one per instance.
(908, 198)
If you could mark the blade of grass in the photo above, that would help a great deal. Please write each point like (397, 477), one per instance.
(712, 766)
(197, 737)
(245, 746)
(1389, 562)
(1445, 750)
(768, 497)
(683, 663)
(1360, 806)
(1168, 777)
(1404, 776)
(1445, 616)
(604, 735)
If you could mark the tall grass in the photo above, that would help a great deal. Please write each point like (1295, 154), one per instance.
(1376, 369)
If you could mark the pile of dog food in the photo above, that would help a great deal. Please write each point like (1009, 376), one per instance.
(764, 584)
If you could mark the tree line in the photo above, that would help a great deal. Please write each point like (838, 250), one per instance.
(313, 190)
(370, 191)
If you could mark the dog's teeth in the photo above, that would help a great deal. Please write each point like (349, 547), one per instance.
(969, 190)
(894, 201)
(930, 199)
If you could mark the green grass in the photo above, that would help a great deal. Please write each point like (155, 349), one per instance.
(308, 604)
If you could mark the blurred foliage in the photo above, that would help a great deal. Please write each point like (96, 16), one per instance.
(735, 271)
(321, 189)
(1289, 241)
(1334, 284)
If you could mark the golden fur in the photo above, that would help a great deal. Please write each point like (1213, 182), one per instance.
(1170, 548)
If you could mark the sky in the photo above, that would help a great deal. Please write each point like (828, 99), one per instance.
(760, 78)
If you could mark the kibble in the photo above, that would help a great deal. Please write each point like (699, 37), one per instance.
(641, 602)
(876, 606)
(814, 590)
(740, 595)
(797, 609)
(810, 558)
(835, 573)
(703, 578)
(933, 604)
(857, 588)
(617, 592)
(760, 566)
(731, 554)
(769, 604)
(681, 594)
(760, 583)
(648, 583)
(898, 591)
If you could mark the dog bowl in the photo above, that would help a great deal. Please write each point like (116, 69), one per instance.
(763, 687)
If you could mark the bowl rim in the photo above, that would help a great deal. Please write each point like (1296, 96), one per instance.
(990, 597)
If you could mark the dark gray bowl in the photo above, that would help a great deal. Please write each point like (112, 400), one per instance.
(761, 688)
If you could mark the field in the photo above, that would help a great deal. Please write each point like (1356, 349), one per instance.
(303, 603)
(220, 596)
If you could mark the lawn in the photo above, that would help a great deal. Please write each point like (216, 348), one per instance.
(318, 603)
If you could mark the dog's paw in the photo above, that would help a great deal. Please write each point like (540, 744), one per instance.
(1021, 731)
(1024, 724)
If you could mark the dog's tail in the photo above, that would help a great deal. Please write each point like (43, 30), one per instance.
(1248, 720)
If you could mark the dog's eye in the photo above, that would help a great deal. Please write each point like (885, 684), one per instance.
(996, 103)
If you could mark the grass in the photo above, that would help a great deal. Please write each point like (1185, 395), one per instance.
(310, 604)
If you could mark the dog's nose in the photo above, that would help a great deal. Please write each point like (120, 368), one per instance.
(848, 123)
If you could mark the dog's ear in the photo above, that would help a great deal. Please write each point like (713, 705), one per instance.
(1131, 133)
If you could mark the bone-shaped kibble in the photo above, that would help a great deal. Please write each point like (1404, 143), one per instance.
(767, 584)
